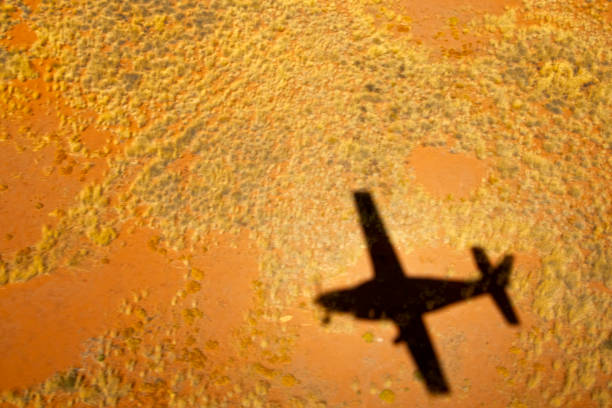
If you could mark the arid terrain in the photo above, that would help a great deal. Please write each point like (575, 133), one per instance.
(176, 189)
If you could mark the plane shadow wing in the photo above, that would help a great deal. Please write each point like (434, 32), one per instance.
(414, 334)
(384, 259)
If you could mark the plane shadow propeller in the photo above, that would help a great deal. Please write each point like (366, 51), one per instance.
(391, 295)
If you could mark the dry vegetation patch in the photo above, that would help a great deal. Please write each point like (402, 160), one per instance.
(263, 116)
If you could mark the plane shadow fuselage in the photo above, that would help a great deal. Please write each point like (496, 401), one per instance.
(391, 295)
(400, 300)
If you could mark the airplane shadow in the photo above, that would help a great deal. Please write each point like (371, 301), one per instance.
(391, 295)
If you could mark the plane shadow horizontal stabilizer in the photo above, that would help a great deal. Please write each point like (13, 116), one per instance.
(495, 281)
(504, 305)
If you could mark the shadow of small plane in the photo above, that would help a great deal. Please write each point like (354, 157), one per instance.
(393, 296)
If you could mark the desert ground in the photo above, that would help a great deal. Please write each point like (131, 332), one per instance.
(177, 186)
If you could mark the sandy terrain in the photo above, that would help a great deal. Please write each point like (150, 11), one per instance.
(176, 189)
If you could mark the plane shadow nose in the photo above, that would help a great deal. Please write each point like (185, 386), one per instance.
(391, 295)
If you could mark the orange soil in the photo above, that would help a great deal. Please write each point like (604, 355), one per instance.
(47, 320)
(441, 24)
(443, 173)
(471, 339)
(61, 311)
(50, 318)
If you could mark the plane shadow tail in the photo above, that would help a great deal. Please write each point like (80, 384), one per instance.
(496, 279)
(415, 335)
